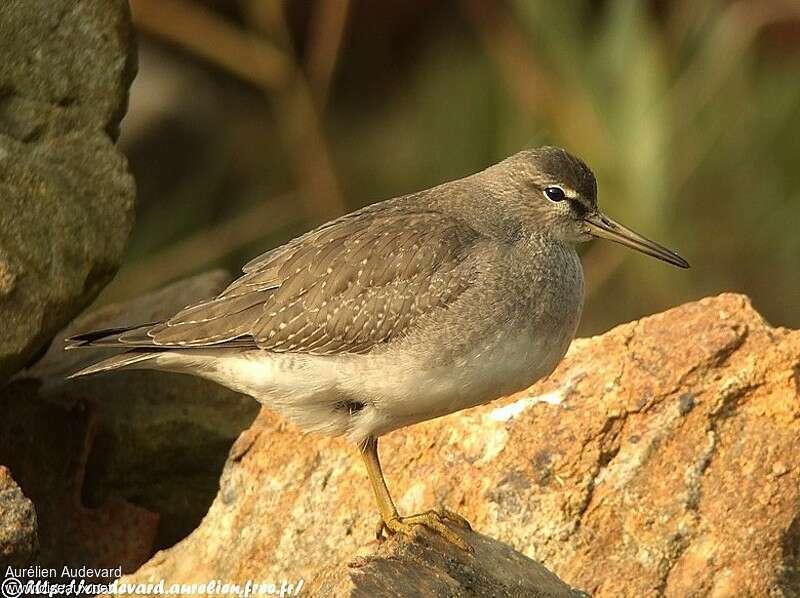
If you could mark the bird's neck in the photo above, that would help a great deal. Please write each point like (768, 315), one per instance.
(476, 201)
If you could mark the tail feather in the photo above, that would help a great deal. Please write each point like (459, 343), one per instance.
(130, 337)
(108, 337)
(123, 360)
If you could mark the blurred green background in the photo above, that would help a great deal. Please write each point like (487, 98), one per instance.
(253, 120)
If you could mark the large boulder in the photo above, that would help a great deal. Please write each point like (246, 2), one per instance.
(67, 198)
(660, 459)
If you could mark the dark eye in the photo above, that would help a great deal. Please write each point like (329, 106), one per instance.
(555, 193)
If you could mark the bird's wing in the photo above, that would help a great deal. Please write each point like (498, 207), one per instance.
(345, 287)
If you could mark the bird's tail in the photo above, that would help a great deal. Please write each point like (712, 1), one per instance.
(108, 337)
(131, 359)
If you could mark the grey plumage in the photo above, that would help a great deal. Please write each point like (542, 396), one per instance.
(482, 268)
(346, 287)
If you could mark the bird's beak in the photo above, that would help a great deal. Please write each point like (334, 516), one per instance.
(601, 225)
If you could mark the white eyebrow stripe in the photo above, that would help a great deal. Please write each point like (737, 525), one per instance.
(544, 183)
(568, 191)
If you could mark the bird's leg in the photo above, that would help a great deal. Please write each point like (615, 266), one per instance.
(392, 522)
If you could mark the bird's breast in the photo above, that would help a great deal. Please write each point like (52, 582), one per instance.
(532, 342)
(515, 337)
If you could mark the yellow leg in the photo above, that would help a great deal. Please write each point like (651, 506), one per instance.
(391, 520)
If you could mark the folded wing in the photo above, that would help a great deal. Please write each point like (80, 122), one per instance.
(346, 287)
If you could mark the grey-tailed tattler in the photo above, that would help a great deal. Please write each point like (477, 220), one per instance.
(400, 312)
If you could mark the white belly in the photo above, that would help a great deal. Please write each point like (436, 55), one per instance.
(316, 392)
(412, 393)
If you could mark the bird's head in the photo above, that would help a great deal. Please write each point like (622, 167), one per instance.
(558, 192)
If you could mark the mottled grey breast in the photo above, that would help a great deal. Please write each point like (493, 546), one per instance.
(346, 287)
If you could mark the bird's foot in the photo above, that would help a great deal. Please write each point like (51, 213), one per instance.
(434, 520)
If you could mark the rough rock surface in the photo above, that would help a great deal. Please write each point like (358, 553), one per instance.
(428, 566)
(19, 543)
(660, 459)
(138, 454)
(45, 444)
(67, 196)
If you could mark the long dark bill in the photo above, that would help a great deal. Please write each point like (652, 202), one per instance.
(601, 225)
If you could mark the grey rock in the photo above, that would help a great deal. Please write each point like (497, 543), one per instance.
(162, 439)
(67, 198)
(19, 542)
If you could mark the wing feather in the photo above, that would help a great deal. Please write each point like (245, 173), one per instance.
(346, 287)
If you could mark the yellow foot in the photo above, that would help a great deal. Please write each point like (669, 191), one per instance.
(435, 521)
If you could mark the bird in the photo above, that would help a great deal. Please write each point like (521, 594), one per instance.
(402, 311)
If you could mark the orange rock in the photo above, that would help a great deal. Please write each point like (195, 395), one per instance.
(660, 459)
(19, 541)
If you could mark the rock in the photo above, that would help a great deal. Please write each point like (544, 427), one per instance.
(67, 196)
(46, 445)
(161, 439)
(659, 459)
(428, 566)
(19, 543)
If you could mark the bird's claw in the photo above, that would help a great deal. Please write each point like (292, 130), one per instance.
(434, 520)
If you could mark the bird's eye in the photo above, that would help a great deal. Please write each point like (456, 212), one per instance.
(555, 193)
